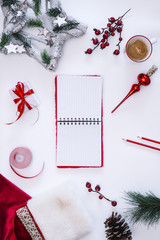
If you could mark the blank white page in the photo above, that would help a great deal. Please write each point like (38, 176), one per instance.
(79, 121)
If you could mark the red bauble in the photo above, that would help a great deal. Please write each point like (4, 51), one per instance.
(108, 25)
(120, 39)
(88, 185)
(97, 188)
(112, 19)
(103, 40)
(103, 45)
(89, 51)
(143, 79)
(106, 32)
(114, 203)
(90, 190)
(107, 44)
(116, 52)
(112, 34)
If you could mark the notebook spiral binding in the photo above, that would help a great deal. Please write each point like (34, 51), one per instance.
(79, 121)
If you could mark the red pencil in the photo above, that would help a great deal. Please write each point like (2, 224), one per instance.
(141, 144)
(150, 140)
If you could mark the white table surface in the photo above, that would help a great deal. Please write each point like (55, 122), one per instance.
(126, 166)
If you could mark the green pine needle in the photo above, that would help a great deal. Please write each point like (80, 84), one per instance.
(6, 3)
(5, 39)
(37, 7)
(34, 23)
(65, 26)
(45, 57)
(22, 39)
(145, 208)
(53, 12)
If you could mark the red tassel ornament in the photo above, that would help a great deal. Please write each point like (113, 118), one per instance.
(143, 79)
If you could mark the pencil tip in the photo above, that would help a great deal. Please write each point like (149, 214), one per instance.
(139, 137)
(123, 139)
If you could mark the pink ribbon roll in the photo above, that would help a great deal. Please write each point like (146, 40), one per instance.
(21, 158)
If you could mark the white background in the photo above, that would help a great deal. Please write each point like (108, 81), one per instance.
(126, 166)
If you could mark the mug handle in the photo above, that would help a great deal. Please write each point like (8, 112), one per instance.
(153, 40)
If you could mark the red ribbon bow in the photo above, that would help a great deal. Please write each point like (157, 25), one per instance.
(19, 91)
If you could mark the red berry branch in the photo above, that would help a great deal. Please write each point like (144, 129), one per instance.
(97, 190)
(112, 26)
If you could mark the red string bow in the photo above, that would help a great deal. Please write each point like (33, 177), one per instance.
(19, 91)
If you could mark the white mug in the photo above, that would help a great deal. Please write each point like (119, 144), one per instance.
(139, 48)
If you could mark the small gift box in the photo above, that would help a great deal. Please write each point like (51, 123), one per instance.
(24, 97)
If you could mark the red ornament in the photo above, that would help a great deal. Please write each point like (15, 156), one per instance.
(143, 79)
(112, 34)
(90, 190)
(105, 36)
(120, 39)
(106, 32)
(108, 25)
(103, 40)
(107, 44)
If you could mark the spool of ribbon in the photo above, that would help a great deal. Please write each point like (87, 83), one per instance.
(21, 158)
(19, 91)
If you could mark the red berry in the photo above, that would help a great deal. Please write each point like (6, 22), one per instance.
(103, 45)
(119, 29)
(95, 41)
(108, 25)
(97, 32)
(90, 190)
(88, 185)
(120, 39)
(105, 36)
(97, 188)
(89, 51)
(106, 32)
(111, 29)
(112, 19)
(112, 33)
(103, 40)
(114, 203)
(107, 43)
(119, 22)
(100, 197)
(116, 52)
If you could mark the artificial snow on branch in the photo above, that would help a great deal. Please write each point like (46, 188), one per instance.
(50, 33)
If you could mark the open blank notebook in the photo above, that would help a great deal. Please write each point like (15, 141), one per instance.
(79, 121)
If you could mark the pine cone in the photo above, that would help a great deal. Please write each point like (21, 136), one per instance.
(116, 228)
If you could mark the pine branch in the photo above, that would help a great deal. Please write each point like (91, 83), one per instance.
(22, 39)
(145, 208)
(34, 23)
(45, 57)
(53, 12)
(6, 3)
(65, 26)
(37, 7)
(5, 39)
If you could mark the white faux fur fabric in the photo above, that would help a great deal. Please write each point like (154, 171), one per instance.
(59, 215)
